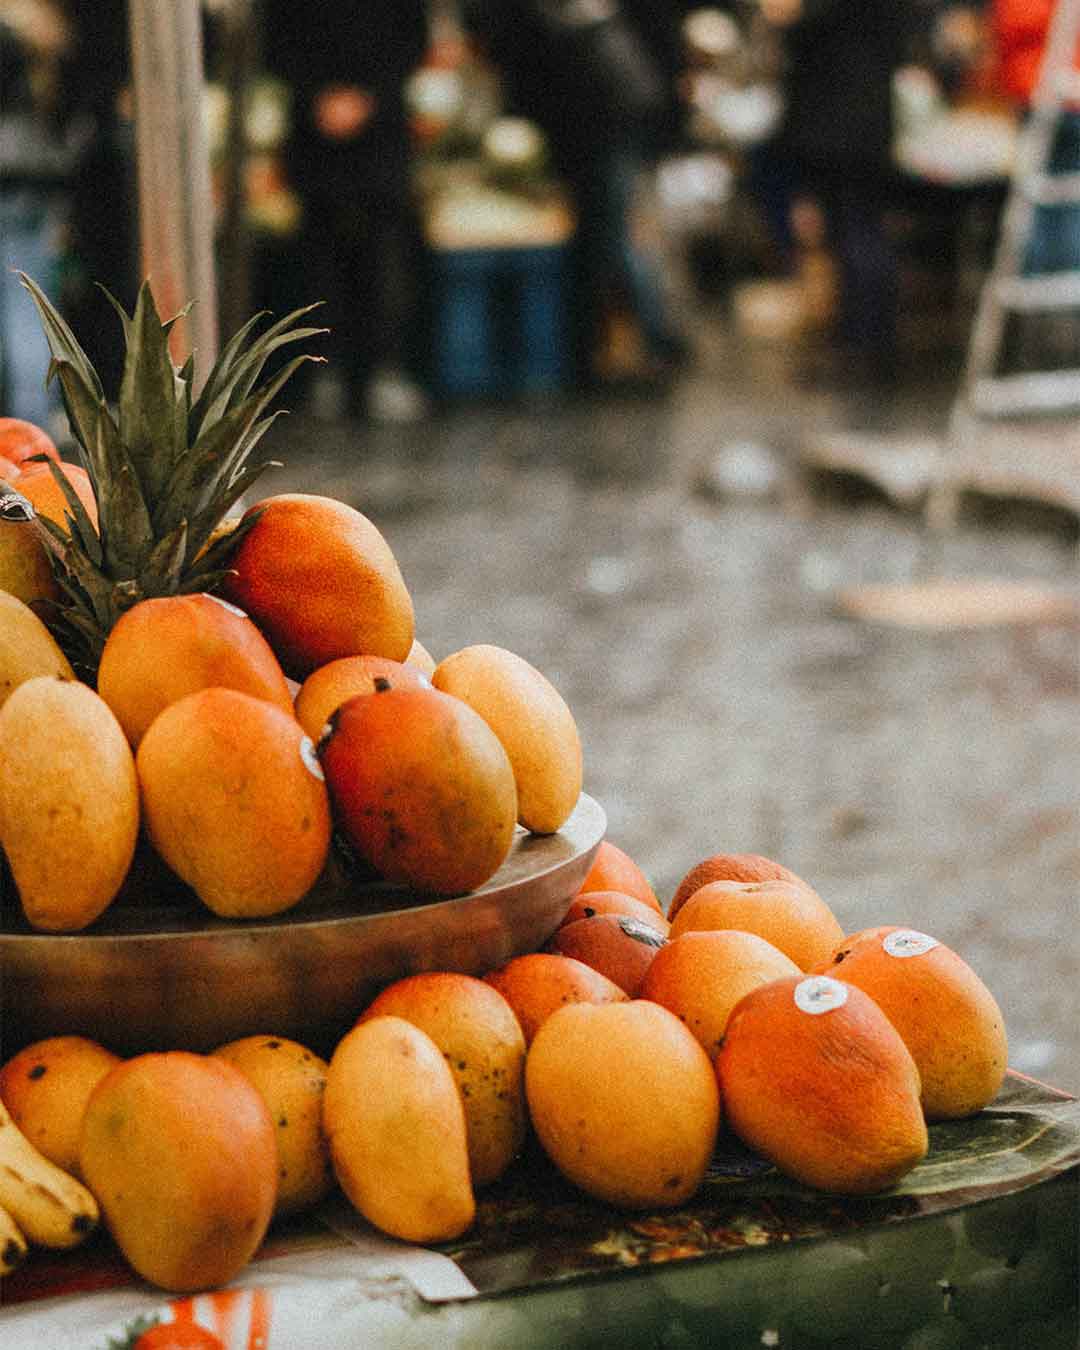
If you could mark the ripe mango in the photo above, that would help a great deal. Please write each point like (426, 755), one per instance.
(27, 648)
(161, 649)
(816, 1078)
(69, 801)
(481, 1039)
(422, 788)
(46, 1086)
(533, 722)
(179, 1151)
(234, 801)
(947, 1017)
(25, 569)
(396, 1128)
(321, 582)
(291, 1079)
(624, 1102)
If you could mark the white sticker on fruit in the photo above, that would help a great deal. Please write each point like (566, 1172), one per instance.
(15, 507)
(226, 604)
(820, 994)
(311, 759)
(908, 942)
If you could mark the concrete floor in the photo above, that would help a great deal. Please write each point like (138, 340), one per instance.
(724, 702)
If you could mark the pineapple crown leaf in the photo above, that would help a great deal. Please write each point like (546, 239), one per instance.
(165, 465)
(217, 384)
(240, 363)
(152, 404)
(85, 411)
(203, 524)
(165, 566)
(213, 462)
(88, 585)
(80, 527)
(186, 376)
(210, 563)
(62, 341)
(51, 535)
(204, 582)
(121, 312)
(126, 532)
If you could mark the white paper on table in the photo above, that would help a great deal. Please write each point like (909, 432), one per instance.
(366, 1294)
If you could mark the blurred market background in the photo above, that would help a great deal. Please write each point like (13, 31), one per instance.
(589, 373)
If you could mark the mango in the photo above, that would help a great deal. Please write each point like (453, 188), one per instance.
(326, 689)
(624, 1101)
(25, 569)
(45, 1086)
(478, 1033)
(533, 722)
(162, 649)
(69, 801)
(422, 788)
(291, 1080)
(946, 1016)
(179, 1151)
(27, 648)
(321, 582)
(816, 1078)
(234, 801)
(396, 1130)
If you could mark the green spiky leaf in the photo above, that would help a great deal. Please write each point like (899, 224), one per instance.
(212, 463)
(79, 526)
(165, 566)
(165, 466)
(153, 415)
(62, 341)
(240, 363)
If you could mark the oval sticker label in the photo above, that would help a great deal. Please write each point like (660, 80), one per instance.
(909, 942)
(226, 604)
(15, 507)
(820, 994)
(311, 759)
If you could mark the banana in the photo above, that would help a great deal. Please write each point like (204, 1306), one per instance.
(12, 1243)
(51, 1207)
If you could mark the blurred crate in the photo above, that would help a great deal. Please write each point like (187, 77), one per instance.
(500, 321)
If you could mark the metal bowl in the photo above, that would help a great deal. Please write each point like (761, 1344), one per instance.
(153, 976)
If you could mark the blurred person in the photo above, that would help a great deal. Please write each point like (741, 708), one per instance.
(600, 79)
(834, 145)
(348, 156)
(35, 164)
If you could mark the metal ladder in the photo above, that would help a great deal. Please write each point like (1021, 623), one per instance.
(1019, 434)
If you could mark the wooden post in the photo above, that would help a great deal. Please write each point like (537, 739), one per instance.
(176, 216)
(240, 63)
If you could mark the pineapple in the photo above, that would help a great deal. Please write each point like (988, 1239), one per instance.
(166, 467)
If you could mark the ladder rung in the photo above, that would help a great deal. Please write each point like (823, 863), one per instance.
(1053, 189)
(1052, 290)
(1029, 392)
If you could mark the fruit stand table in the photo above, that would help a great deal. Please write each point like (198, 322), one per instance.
(977, 1247)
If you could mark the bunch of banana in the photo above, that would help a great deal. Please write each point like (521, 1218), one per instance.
(39, 1202)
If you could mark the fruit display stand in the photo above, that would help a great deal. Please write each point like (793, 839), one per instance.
(976, 1247)
(168, 974)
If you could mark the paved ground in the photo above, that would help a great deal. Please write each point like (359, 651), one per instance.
(724, 702)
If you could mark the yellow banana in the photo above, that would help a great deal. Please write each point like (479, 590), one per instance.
(49, 1205)
(12, 1243)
